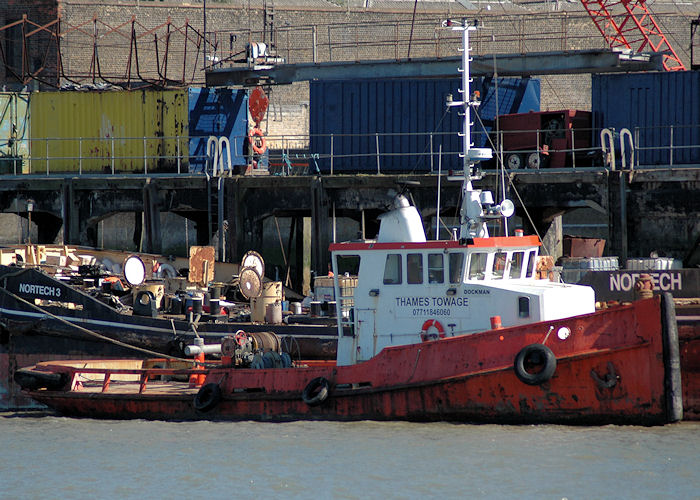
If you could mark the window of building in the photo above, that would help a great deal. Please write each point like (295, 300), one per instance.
(414, 268)
(392, 269)
(436, 268)
(13, 50)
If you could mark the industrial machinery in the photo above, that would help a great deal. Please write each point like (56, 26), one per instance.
(553, 139)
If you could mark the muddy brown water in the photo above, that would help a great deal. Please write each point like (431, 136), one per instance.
(45, 456)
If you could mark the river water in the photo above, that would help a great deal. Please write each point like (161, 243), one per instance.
(47, 456)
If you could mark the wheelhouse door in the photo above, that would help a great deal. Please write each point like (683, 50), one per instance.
(366, 336)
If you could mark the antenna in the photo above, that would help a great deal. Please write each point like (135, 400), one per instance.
(477, 206)
(471, 155)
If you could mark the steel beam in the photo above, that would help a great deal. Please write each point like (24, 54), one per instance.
(540, 63)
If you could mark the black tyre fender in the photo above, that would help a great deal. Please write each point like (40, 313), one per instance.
(535, 354)
(176, 347)
(316, 391)
(207, 397)
(32, 380)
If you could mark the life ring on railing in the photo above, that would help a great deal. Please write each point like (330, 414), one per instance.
(257, 140)
(432, 323)
(535, 355)
(207, 397)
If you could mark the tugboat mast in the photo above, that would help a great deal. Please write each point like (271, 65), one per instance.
(477, 206)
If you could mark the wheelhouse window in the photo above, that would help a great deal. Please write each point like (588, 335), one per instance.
(516, 265)
(436, 268)
(531, 260)
(499, 264)
(347, 265)
(392, 269)
(524, 307)
(477, 266)
(414, 268)
(456, 263)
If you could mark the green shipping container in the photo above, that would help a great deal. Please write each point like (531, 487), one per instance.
(142, 131)
(14, 132)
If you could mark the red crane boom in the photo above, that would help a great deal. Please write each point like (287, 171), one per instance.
(630, 24)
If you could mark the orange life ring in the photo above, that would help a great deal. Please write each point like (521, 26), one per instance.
(257, 141)
(425, 336)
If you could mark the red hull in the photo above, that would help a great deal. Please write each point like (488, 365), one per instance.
(610, 370)
(689, 340)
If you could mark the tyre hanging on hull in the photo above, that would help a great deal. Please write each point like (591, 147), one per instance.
(32, 380)
(207, 398)
(538, 357)
(316, 391)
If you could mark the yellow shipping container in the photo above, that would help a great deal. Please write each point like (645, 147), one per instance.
(109, 131)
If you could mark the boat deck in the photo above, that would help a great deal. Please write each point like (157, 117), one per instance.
(154, 387)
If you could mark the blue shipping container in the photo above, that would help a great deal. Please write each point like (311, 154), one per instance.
(407, 118)
(653, 103)
(218, 112)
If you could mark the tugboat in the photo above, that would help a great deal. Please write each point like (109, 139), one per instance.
(456, 330)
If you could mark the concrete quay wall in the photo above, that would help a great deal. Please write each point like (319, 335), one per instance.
(650, 210)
